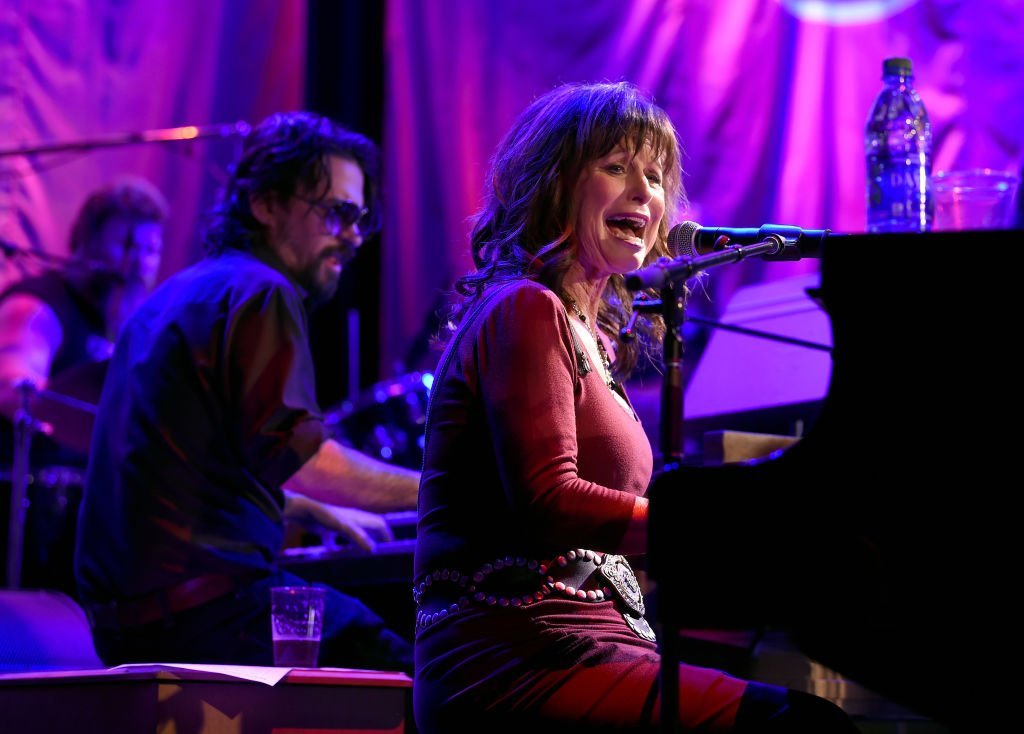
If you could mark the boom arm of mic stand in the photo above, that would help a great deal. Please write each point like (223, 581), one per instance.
(683, 268)
(159, 135)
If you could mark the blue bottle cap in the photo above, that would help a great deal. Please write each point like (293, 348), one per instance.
(897, 66)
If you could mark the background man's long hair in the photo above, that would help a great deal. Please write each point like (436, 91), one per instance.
(286, 154)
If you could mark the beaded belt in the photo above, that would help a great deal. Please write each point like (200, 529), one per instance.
(515, 581)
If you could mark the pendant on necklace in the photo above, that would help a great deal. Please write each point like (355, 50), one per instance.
(605, 360)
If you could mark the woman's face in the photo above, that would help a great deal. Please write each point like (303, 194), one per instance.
(621, 205)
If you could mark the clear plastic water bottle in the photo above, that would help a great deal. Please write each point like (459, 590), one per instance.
(898, 146)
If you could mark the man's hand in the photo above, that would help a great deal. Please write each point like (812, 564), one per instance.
(340, 475)
(30, 336)
(365, 529)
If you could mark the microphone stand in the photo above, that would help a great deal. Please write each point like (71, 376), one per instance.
(670, 431)
(159, 135)
(24, 424)
(23, 428)
(669, 276)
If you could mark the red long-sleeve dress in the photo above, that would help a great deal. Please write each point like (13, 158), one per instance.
(530, 461)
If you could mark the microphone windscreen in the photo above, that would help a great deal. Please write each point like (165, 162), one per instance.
(681, 239)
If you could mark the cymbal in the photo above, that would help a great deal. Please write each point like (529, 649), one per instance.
(68, 404)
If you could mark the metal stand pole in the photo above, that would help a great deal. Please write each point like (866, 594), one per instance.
(669, 276)
(673, 301)
(24, 427)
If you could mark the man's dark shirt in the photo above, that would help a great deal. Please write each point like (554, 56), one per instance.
(208, 407)
(82, 323)
(83, 342)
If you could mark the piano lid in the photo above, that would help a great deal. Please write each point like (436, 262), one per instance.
(885, 540)
(740, 372)
(764, 368)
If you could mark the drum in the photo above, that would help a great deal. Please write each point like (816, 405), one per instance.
(53, 494)
(386, 421)
(68, 405)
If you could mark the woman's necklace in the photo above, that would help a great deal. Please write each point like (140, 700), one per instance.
(608, 379)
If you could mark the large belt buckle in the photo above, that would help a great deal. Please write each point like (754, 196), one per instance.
(641, 627)
(619, 573)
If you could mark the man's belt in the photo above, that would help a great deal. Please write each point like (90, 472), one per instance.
(162, 604)
(515, 581)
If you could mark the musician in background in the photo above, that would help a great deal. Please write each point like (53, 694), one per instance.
(536, 466)
(208, 434)
(57, 330)
(68, 318)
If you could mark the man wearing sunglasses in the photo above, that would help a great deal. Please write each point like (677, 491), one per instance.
(208, 434)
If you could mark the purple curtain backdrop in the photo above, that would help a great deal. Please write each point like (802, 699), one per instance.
(95, 71)
(770, 98)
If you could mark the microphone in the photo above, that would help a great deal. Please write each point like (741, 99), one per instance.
(722, 245)
(690, 239)
(695, 248)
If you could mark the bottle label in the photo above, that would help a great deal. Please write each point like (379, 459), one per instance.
(899, 195)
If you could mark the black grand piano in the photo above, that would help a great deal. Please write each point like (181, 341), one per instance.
(885, 541)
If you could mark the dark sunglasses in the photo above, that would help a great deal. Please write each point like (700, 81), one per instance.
(340, 215)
